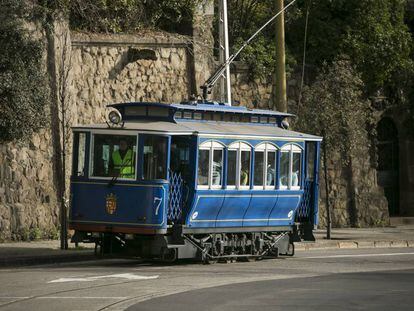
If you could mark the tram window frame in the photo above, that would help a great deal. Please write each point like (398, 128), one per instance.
(266, 148)
(241, 147)
(211, 147)
(91, 164)
(291, 150)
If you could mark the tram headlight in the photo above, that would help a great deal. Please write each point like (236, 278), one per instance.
(115, 117)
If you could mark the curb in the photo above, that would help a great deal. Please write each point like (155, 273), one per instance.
(44, 259)
(308, 246)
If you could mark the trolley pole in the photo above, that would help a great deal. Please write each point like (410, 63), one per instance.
(280, 99)
(225, 84)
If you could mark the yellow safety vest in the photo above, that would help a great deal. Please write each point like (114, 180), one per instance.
(126, 165)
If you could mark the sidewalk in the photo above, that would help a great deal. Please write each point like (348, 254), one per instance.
(398, 236)
(47, 252)
(42, 252)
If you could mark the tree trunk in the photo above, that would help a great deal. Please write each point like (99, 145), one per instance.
(55, 128)
(328, 209)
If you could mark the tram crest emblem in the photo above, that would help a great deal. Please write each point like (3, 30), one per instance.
(111, 203)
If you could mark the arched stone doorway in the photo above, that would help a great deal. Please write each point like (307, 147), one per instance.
(388, 163)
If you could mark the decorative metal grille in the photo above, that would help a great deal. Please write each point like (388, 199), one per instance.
(305, 209)
(175, 197)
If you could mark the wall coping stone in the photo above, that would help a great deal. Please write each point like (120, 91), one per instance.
(145, 38)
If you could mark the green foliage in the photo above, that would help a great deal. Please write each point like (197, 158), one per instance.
(245, 17)
(334, 108)
(372, 32)
(23, 84)
(116, 16)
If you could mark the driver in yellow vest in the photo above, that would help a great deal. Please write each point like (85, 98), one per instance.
(123, 161)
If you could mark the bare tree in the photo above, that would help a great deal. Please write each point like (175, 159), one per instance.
(64, 66)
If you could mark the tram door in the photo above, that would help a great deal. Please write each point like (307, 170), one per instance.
(180, 174)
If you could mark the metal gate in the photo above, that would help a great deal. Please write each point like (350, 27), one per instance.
(174, 212)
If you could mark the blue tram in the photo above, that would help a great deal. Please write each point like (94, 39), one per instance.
(194, 180)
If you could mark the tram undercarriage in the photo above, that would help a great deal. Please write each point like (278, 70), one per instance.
(207, 247)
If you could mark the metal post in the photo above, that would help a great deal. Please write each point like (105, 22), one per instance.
(280, 101)
(225, 83)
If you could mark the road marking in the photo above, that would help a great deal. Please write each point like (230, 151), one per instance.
(16, 297)
(356, 255)
(80, 297)
(128, 276)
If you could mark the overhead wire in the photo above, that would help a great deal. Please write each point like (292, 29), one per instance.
(304, 56)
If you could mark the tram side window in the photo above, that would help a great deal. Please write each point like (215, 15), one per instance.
(80, 167)
(265, 166)
(210, 165)
(244, 168)
(290, 167)
(310, 158)
(284, 169)
(114, 156)
(231, 168)
(155, 157)
(203, 166)
(258, 168)
(217, 168)
(238, 167)
(271, 168)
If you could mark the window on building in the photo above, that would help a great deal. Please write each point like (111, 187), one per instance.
(265, 166)
(239, 163)
(290, 167)
(155, 157)
(210, 165)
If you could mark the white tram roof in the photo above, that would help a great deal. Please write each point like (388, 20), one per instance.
(214, 129)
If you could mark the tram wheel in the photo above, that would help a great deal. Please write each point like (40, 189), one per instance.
(169, 255)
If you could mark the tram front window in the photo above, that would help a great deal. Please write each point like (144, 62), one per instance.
(155, 157)
(114, 156)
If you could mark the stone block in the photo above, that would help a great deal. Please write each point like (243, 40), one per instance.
(175, 60)
(382, 244)
(399, 244)
(165, 53)
(366, 244)
(350, 244)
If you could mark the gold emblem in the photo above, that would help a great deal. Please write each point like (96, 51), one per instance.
(111, 203)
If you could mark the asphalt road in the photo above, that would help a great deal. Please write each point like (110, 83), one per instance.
(360, 279)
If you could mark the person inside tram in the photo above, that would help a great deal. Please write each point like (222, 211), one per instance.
(270, 176)
(244, 174)
(123, 161)
(216, 173)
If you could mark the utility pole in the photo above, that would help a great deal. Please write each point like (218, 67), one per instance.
(280, 99)
(225, 85)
